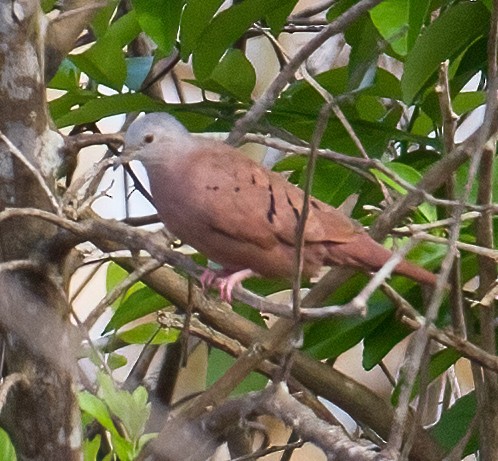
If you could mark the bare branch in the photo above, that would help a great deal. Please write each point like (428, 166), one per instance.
(19, 155)
(271, 94)
(300, 240)
(119, 290)
(7, 383)
(332, 440)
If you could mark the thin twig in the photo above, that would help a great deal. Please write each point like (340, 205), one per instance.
(410, 229)
(300, 232)
(365, 164)
(482, 167)
(476, 249)
(312, 10)
(244, 124)
(8, 383)
(118, 291)
(413, 319)
(268, 451)
(414, 357)
(21, 157)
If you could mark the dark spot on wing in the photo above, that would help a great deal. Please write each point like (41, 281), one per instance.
(237, 189)
(271, 211)
(253, 180)
(215, 188)
(294, 209)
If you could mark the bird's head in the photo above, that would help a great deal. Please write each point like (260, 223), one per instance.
(152, 135)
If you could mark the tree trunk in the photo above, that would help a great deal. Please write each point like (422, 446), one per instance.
(40, 412)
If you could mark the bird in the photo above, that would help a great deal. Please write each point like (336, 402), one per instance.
(241, 215)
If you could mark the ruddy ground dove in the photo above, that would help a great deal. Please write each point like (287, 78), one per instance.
(241, 215)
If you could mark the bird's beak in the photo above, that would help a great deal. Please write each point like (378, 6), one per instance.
(125, 157)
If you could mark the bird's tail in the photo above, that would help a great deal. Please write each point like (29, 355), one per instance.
(417, 273)
(366, 254)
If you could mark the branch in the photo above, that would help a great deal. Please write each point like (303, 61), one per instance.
(19, 155)
(300, 231)
(244, 124)
(276, 401)
(119, 290)
(358, 401)
(79, 141)
(7, 383)
(411, 318)
(63, 31)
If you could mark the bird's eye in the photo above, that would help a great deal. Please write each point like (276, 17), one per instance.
(148, 138)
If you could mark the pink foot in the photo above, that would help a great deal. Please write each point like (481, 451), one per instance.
(207, 279)
(225, 281)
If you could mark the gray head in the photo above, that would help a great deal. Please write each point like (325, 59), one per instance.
(157, 129)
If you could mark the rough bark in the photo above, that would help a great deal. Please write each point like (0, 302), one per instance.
(40, 413)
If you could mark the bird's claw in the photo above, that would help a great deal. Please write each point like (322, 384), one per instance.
(224, 281)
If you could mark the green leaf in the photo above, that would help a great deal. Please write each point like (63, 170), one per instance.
(145, 439)
(467, 101)
(123, 31)
(219, 363)
(131, 408)
(115, 361)
(124, 448)
(454, 423)
(90, 448)
(96, 408)
(141, 302)
(114, 276)
(438, 364)
(412, 176)
(380, 341)
(100, 23)
(60, 107)
(149, 333)
(419, 10)
(7, 452)
(46, 5)
(234, 76)
(338, 8)
(364, 40)
(224, 30)
(265, 287)
(440, 42)
(462, 176)
(391, 19)
(67, 77)
(104, 61)
(195, 18)
(105, 106)
(347, 331)
(277, 18)
(160, 19)
(332, 183)
(301, 98)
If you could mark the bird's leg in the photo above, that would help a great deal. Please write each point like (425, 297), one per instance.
(210, 278)
(227, 283)
(207, 279)
(225, 280)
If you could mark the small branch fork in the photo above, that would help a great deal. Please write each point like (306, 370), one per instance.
(276, 401)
